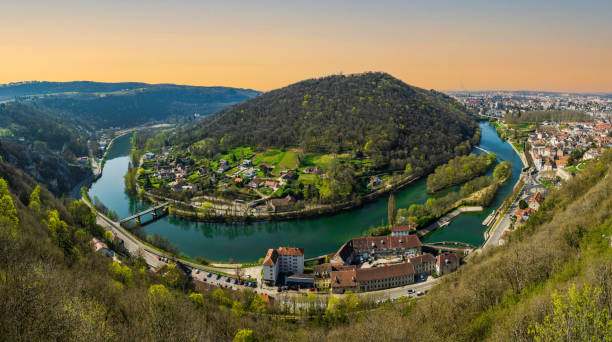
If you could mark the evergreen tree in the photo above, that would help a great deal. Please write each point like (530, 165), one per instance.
(391, 210)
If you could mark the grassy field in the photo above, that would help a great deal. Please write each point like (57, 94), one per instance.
(519, 147)
(282, 160)
(307, 179)
(238, 153)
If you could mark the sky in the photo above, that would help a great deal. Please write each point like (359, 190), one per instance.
(445, 45)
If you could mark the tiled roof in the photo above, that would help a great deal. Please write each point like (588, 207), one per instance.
(271, 257)
(426, 257)
(375, 273)
(290, 251)
(451, 257)
(343, 278)
(403, 228)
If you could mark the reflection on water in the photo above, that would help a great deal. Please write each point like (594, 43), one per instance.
(321, 235)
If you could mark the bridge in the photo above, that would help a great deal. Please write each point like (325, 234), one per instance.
(449, 246)
(157, 211)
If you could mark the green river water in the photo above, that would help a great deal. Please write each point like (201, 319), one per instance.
(320, 235)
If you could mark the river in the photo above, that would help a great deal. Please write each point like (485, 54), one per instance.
(249, 242)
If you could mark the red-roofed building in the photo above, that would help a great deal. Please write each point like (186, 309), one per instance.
(402, 230)
(423, 264)
(447, 263)
(286, 260)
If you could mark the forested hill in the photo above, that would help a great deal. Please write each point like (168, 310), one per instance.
(43, 145)
(371, 113)
(102, 105)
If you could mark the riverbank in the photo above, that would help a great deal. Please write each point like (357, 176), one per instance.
(237, 212)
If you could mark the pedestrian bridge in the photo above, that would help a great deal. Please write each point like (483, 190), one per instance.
(157, 211)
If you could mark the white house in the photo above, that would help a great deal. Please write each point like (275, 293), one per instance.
(286, 260)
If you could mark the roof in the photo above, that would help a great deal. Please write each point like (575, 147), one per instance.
(382, 242)
(344, 278)
(521, 212)
(290, 251)
(271, 257)
(450, 258)
(537, 197)
(426, 257)
(375, 273)
(403, 228)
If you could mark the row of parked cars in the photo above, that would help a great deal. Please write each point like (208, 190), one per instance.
(235, 281)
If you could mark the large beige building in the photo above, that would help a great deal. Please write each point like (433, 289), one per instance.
(371, 279)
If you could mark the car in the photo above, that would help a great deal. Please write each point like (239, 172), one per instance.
(311, 289)
(197, 271)
(236, 281)
(228, 280)
(410, 291)
(248, 276)
(158, 257)
(209, 275)
(420, 293)
(218, 276)
(241, 282)
(280, 289)
(422, 277)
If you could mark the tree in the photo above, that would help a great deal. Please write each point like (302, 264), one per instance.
(244, 335)
(523, 204)
(34, 204)
(8, 213)
(579, 315)
(391, 210)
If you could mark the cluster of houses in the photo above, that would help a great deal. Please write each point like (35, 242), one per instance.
(353, 266)
(551, 149)
(534, 204)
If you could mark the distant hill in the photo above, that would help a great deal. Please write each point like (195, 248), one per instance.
(103, 105)
(43, 145)
(372, 114)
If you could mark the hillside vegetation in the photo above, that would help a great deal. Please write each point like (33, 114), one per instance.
(371, 114)
(551, 282)
(43, 145)
(102, 105)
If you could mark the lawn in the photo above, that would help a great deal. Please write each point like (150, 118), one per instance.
(282, 160)
(546, 183)
(239, 153)
(518, 146)
(323, 160)
(307, 179)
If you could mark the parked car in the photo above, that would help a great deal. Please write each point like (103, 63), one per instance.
(410, 291)
(218, 276)
(420, 293)
(158, 257)
(228, 280)
(209, 275)
(311, 289)
(198, 271)
(280, 289)
(236, 281)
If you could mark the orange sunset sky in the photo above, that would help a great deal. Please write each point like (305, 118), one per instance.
(445, 45)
